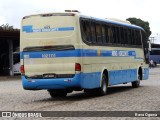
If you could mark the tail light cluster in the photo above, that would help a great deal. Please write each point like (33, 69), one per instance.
(77, 67)
(22, 69)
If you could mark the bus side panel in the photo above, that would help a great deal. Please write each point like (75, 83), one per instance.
(90, 80)
(122, 76)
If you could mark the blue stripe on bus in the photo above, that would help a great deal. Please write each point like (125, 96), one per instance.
(84, 80)
(21, 55)
(29, 29)
(79, 53)
(65, 28)
(58, 83)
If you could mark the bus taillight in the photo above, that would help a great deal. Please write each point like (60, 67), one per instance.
(22, 69)
(77, 67)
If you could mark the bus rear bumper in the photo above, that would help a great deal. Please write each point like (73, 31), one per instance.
(57, 83)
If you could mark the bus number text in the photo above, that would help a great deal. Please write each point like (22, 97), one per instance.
(120, 53)
(48, 55)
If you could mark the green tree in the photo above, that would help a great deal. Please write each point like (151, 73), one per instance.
(7, 27)
(141, 23)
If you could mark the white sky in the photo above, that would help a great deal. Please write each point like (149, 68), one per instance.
(12, 11)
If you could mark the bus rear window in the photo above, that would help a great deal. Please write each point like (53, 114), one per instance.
(47, 48)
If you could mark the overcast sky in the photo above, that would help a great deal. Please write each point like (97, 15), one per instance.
(12, 11)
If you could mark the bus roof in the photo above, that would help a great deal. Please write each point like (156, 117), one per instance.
(87, 17)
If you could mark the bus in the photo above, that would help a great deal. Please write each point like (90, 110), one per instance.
(68, 51)
(154, 54)
(16, 63)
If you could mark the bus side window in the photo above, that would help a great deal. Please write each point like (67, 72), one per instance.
(93, 32)
(114, 34)
(110, 34)
(138, 38)
(122, 35)
(118, 35)
(86, 30)
(133, 37)
(125, 36)
(98, 33)
(107, 33)
(129, 37)
(104, 35)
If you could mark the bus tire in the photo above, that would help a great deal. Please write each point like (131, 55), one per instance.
(103, 89)
(136, 83)
(57, 93)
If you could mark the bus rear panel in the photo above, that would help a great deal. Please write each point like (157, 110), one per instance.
(49, 52)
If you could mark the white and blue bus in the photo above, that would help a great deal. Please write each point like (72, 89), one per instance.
(63, 52)
(154, 54)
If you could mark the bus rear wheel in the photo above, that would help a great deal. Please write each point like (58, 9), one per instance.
(60, 93)
(103, 89)
(136, 83)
